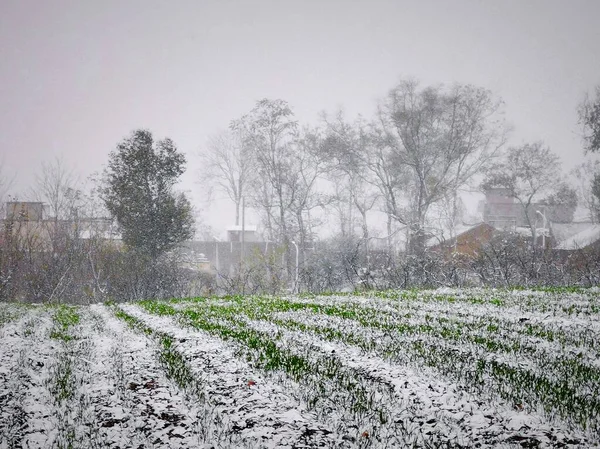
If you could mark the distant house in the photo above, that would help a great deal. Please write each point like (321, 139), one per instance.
(581, 235)
(195, 261)
(24, 211)
(234, 234)
(27, 220)
(506, 213)
(469, 242)
(98, 228)
(554, 225)
(579, 247)
(225, 256)
(501, 211)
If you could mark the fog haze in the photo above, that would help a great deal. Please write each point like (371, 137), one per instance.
(77, 77)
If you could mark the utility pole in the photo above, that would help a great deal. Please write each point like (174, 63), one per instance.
(544, 228)
(296, 281)
(243, 230)
(217, 240)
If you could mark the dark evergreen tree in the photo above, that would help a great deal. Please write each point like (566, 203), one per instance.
(139, 194)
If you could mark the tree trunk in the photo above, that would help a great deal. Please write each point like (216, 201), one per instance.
(237, 212)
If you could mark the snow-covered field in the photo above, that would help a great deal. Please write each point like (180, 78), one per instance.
(442, 368)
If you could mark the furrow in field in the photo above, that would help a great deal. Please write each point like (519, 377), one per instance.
(128, 400)
(571, 308)
(511, 375)
(306, 349)
(578, 366)
(584, 329)
(248, 408)
(341, 396)
(553, 359)
(10, 312)
(429, 406)
(26, 354)
(76, 425)
(464, 311)
(576, 331)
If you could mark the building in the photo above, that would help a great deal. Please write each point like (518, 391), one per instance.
(501, 211)
(467, 243)
(24, 211)
(554, 223)
(576, 236)
(27, 221)
(249, 234)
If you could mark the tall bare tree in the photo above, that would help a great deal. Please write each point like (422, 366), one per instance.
(529, 173)
(587, 175)
(286, 168)
(271, 131)
(302, 182)
(227, 163)
(439, 139)
(345, 150)
(589, 117)
(56, 256)
(6, 183)
(59, 188)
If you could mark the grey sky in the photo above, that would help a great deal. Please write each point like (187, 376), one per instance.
(78, 76)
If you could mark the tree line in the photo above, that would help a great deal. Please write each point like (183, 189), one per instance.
(406, 165)
(118, 240)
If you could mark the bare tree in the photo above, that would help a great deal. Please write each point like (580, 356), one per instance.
(6, 183)
(271, 133)
(345, 151)
(58, 188)
(392, 181)
(227, 162)
(529, 174)
(589, 117)
(447, 215)
(587, 177)
(439, 139)
(302, 182)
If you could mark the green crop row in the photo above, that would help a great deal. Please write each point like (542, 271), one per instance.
(173, 362)
(323, 376)
(514, 384)
(64, 319)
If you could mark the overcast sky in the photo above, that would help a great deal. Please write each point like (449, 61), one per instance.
(76, 77)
